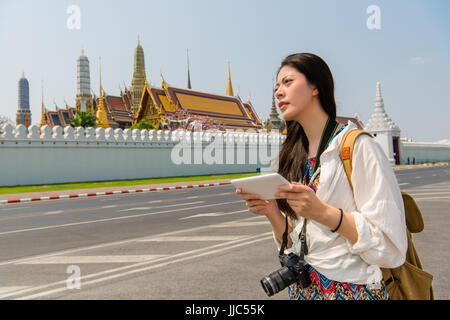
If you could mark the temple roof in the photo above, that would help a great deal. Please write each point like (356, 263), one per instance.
(205, 103)
(60, 117)
(180, 103)
(116, 103)
(345, 120)
(117, 110)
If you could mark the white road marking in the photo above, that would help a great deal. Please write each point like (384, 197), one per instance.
(14, 208)
(109, 198)
(432, 198)
(166, 206)
(93, 259)
(154, 201)
(193, 238)
(112, 219)
(428, 193)
(134, 209)
(111, 206)
(250, 221)
(212, 214)
(142, 266)
(53, 212)
(223, 193)
(241, 224)
(11, 289)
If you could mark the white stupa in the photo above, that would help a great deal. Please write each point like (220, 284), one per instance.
(385, 131)
(380, 121)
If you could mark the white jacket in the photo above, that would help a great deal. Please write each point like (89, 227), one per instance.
(377, 206)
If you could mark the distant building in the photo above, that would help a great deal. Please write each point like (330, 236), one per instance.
(23, 115)
(274, 122)
(402, 150)
(384, 130)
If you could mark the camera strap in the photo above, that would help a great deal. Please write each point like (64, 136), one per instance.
(327, 135)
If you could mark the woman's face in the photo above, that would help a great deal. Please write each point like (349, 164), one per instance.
(293, 93)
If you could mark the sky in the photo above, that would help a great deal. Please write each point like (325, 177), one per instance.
(408, 52)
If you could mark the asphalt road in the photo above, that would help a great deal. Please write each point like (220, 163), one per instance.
(179, 244)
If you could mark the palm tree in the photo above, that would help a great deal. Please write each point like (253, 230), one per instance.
(143, 124)
(84, 119)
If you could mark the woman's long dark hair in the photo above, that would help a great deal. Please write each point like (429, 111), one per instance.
(293, 155)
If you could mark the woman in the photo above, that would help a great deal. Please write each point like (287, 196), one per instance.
(349, 235)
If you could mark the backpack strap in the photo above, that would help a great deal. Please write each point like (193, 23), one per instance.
(413, 215)
(346, 150)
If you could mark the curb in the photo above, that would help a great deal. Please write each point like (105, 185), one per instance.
(106, 193)
(416, 166)
(81, 195)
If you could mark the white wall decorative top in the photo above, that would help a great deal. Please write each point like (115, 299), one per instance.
(9, 133)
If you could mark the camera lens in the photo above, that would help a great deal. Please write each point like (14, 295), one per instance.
(277, 281)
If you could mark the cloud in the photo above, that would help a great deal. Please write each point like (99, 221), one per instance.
(417, 60)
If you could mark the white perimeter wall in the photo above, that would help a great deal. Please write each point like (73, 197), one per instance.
(57, 155)
(423, 152)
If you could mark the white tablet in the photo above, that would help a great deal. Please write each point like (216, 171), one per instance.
(265, 185)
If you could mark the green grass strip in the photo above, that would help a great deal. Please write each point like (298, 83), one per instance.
(118, 183)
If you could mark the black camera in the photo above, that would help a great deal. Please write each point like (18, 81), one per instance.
(294, 269)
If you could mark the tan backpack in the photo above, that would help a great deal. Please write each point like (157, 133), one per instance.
(409, 281)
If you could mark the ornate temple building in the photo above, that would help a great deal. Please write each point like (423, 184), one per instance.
(23, 115)
(174, 108)
(179, 108)
(167, 107)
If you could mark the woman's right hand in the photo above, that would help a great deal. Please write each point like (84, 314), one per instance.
(257, 205)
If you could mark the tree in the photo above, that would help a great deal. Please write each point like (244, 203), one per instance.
(143, 124)
(84, 119)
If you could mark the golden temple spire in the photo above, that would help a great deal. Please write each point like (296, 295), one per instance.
(102, 119)
(229, 86)
(138, 81)
(43, 115)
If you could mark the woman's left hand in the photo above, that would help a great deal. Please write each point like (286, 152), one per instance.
(302, 200)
